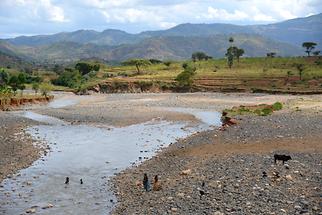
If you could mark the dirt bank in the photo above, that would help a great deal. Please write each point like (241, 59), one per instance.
(277, 85)
(15, 102)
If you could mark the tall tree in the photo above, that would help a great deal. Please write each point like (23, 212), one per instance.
(230, 53)
(137, 63)
(239, 53)
(4, 77)
(300, 68)
(85, 68)
(199, 56)
(309, 47)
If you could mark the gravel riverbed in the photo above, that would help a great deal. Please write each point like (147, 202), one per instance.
(231, 164)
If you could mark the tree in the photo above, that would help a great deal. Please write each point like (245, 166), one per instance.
(35, 87)
(4, 78)
(230, 56)
(271, 54)
(239, 53)
(300, 68)
(316, 53)
(85, 68)
(137, 63)
(14, 83)
(230, 53)
(199, 56)
(22, 78)
(185, 78)
(309, 47)
(45, 88)
(70, 78)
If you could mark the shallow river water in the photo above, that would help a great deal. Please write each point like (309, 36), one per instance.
(89, 153)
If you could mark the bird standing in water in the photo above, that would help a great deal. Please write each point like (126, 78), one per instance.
(81, 181)
(67, 180)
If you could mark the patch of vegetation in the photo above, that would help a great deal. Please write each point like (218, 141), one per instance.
(277, 106)
(260, 110)
(185, 78)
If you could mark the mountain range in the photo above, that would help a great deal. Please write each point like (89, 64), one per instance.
(284, 38)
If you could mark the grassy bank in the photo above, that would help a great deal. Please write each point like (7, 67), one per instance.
(271, 75)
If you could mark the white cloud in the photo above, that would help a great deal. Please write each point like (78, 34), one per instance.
(33, 10)
(222, 14)
(27, 16)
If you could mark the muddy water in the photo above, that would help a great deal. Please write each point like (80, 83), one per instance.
(91, 154)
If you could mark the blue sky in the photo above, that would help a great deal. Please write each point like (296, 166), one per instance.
(30, 17)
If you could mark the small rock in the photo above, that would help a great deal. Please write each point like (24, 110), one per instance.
(180, 194)
(186, 172)
(31, 211)
(218, 213)
(47, 206)
(297, 207)
(289, 177)
(174, 209)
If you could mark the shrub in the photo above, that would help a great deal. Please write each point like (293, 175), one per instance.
(167, 63)
(45, 88)
(155, 61)
(277, 106)
(266, 111)
(70, 79)
(185, 78)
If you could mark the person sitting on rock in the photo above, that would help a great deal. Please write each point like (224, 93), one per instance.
(156, 184)
(146, 183)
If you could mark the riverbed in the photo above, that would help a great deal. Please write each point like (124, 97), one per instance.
(92, 154)
(95, 137)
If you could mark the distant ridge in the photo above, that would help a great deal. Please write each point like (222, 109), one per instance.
(284, 38)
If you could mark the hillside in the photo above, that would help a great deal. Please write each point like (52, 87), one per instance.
(176, 48)
(11, 58)
(293, 31)
(179, 42)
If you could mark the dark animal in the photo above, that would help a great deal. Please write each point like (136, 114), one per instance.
(81, 181)
(67, 180)
(202, 192)
(283, 158)
(264, 174)
(156, 184)
(146, 183)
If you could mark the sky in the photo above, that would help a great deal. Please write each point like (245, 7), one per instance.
(33, 17)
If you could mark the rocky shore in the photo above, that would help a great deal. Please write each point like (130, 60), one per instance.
(17, 150)
(234, 170)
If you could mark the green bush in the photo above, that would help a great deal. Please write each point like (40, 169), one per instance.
(266, 111)
(277, 106)
(70, 79)
(185, 78)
